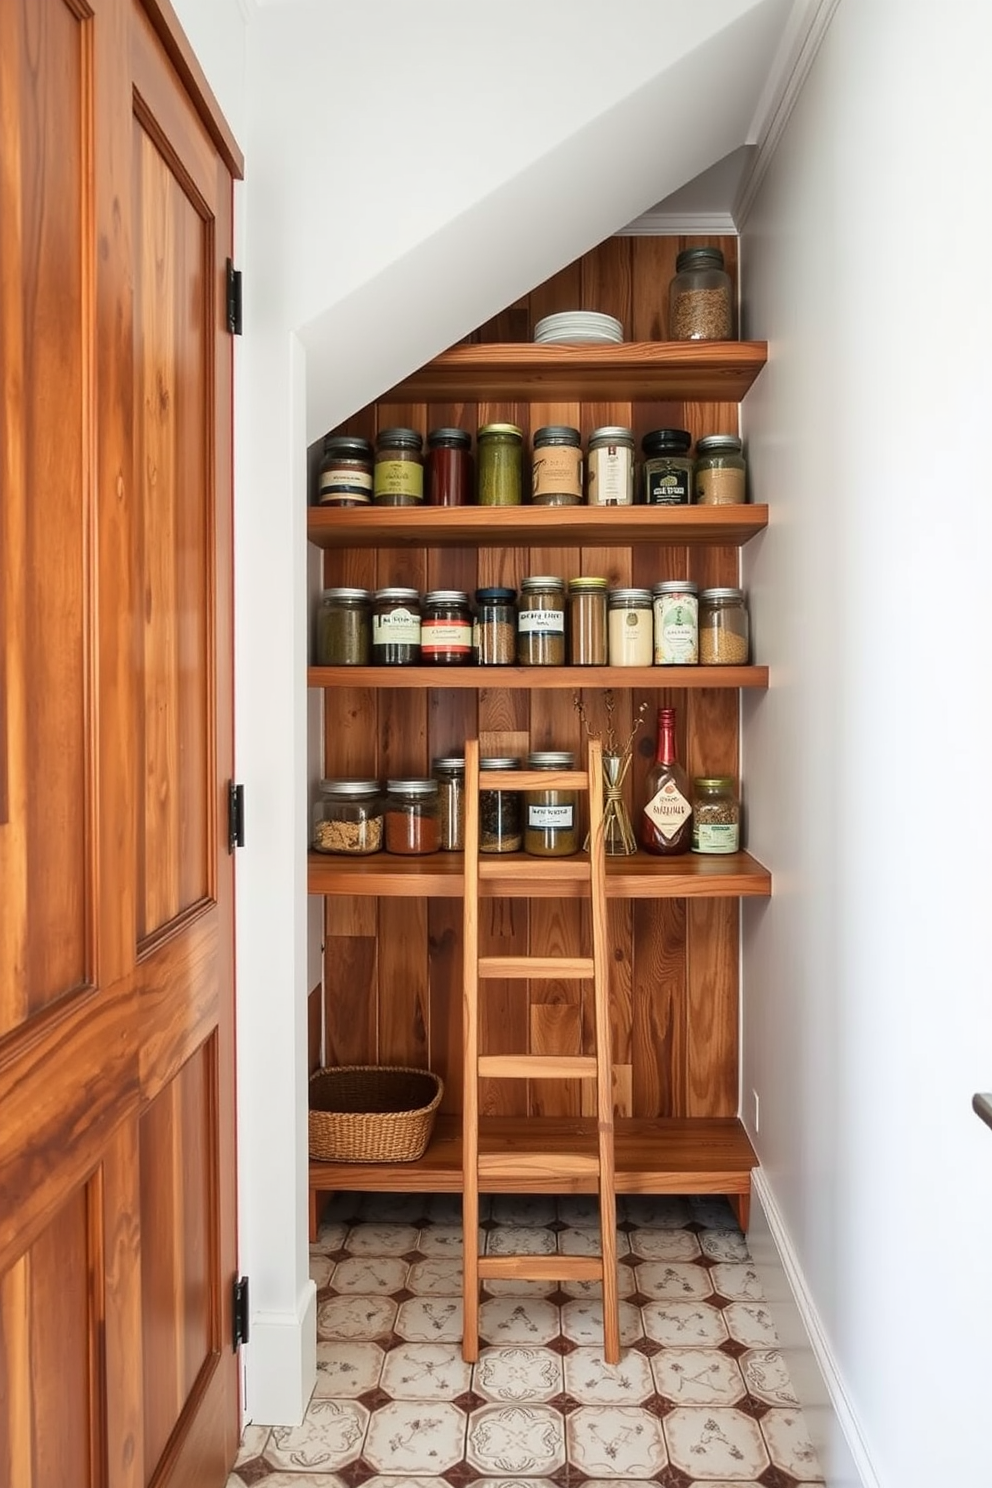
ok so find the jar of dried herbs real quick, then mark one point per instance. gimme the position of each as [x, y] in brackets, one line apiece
[500, 815]
[412, 818]
[541, 622]
[344, 628]
[552, 815]
[396, 627]
[716, 815]
[494, 634]
[450, 775]
[347, 817]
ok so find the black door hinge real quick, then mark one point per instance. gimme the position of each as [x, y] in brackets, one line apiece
[240, 1325]
[233, 299]
[235, 816]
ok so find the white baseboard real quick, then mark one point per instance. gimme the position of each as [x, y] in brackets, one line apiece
[281, 1363]
[816, 1378]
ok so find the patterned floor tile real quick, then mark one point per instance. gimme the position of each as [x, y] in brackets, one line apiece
[767, 1377]
[355, 1317]
[518, 1286]
[330, 1237]
[438, 1276]
[684, 1324]
[382, 1239]
[426, 1371]
[521, 1240]
[518, 1374]
[715, 1443]
[329, 1438]
[415, 1436]
[724, 1245]
[626, 1285]
[664, 1245]
[697, 1376]
[737, 1280]
[369, 1275]
[582, 1322]
[616, 1442]
[674, 1280]
[321, 1267]
[516, 1439]
[591, 1381]
[788, 1442]
[430, 1320]
[581, 1211]
[294, 1480]
[442, 1240]
[518, 1320]
[751, 1324]
[346, 1370]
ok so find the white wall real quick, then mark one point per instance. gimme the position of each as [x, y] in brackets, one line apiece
[868, 1015]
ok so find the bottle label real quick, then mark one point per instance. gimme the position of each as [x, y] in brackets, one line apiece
[445, 635]
[542, 622]
[399, 478]
[561, 818]
[675, 630]
[667, 487]
[668, 810]
[345, 485]
[611, 476]
[396, 628]
[557, 471]
[715, 837]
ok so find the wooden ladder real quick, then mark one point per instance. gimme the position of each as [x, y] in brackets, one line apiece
[532, 1169]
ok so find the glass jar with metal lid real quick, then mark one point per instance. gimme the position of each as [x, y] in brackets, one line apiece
[716, 815]
[494, 634]
[610, 467]
[344, 628]
[551, 827]
[450, 775]
[396, 627]
[556, 473]
[499, 458]
[724, 630]
[630, 622]
[446, 628]
[700, 299]
[676, 623]
[541, 622]
[347, 817]
[720, 477]
[412, 822]
[398, 479]
[587, 621]
[500, 818]
[449, 467]
[345, 474]
[666, 474]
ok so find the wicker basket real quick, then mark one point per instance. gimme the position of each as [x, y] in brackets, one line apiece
[365, 1113]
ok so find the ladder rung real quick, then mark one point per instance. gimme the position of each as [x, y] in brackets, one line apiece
[533, 780]
[579, 967]
[543, 1267]
[510, 1165]
[537, 1066]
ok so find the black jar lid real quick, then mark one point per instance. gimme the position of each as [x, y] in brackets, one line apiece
[666, 442]
[399, 439]
[495, 595]
[453, 438]
[699, 258]
[347, 444]
[556, 434]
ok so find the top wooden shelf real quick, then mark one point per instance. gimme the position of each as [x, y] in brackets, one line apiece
[713, 371]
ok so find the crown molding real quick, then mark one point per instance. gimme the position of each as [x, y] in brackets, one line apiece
[800, 43]
[661, 224]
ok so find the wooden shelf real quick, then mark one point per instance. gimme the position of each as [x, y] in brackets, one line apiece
[570, 678]
[710, 371]
[532, 526]
[691, 1155]
[518, 876]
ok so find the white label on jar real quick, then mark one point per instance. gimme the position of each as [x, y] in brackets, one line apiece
[717, 837]
[611, 476]
[346, 484]
[396, 627]
[446, 635]
[560, 817]
[668, 809]
[676, 640]
[542, 622]
[631, 637]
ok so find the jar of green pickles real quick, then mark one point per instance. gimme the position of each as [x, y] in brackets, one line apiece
[551, 822]
[499, 461]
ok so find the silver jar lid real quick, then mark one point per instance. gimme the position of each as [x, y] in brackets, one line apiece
[629, 596]
[551, 759]
[446, 597]
[357, 595]
[396, 593]
[412, 787]
[499, 762]
[722, 594]
[699, 258]
[715, 444]
[675, 586]
[349, 787]
[542, 581]
[612, 434]
[449, 762]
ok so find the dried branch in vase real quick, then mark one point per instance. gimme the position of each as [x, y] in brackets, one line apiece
[618, 834]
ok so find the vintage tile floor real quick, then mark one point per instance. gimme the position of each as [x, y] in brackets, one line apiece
[701, 1395]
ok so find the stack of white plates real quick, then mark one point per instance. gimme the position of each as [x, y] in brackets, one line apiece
[575, 327]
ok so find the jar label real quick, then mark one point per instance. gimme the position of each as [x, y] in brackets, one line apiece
[399, 478]
[715, 837]
[631, 637]
[667, 488]
[720, 487]
[675, 629]
[557, 471]
[611, 476]
[445, 635]
[346, 484]
[542, 622]
[562, 818]
[396, 627]
[668, 810]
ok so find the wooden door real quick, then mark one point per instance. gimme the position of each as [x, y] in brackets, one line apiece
[117, 1220]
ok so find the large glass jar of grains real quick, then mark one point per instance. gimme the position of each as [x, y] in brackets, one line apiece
[450, 775]
[556, 473]
[587, 645]
[666, 473]
[720, 477]
[396, 627]
[500, 819]
[446, 628]
[552, 815]
[494, 634]
[676, 623]
[345, 475]
[716, 815]
[344, 628]
[347, 817]
[631, 628]
[723, 628]
[610, 467]
[412, 825]
[449, 467]
[700, 301]
[499, 460]
[541, 622]
[399, 468]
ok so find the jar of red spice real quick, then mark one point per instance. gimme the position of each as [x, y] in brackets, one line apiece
[412, 822]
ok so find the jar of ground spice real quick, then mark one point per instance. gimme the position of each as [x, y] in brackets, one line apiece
[556, 472]
[344, 628]
[396, 627]
[399, 468]
[450, 775]
[494, 635]
[700, 301]
[552, 815]
[720, 476]
[347, 817]
[630, 621]
[449, 468]
[587, 644]
[716, 815]
[500, 815]
[610, 467]
[446, 628]
[345, 474]
[412, 818]
[666, 473]
[499, 458]
[541, 622]
[723, 628]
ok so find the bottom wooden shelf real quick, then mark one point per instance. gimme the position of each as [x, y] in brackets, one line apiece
[674, 1155]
